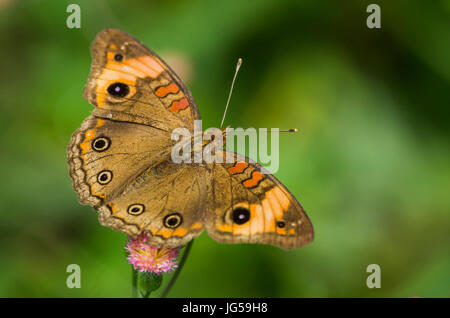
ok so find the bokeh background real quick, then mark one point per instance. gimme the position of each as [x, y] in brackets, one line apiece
[370, 164]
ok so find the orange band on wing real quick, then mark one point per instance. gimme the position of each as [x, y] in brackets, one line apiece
[163, 91]
[256, 219]
[269, 219]
[254, 180]
[152, 63]
[164, 232]
[275, 204]
[239, 167]
[225, 227]
[196, 225]
[88, 136]
[179, 105]
[181, 231]
[281, 231]
[279, 206]
[282, 198]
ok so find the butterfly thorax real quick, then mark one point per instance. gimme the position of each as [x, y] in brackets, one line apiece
[193, 149]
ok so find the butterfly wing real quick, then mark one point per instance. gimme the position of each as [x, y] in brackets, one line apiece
[121, 169]
[167, 202]
[104, 156]
[118, 158]
[246, 206]
[129, 82]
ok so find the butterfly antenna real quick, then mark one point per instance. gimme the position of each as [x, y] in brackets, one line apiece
[238, 65]
[281, 130]
[289, 130]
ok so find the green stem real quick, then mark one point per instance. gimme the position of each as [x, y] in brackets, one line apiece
[178, 270]
[146, 295]
[134, 282]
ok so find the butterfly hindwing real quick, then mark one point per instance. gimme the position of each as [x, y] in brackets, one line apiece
[167, 202]
[99, 149]
[121, 169]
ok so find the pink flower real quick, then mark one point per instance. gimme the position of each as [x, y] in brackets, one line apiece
[149, 258]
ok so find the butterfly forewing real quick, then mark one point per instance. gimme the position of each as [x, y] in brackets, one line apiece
[248, 206]
[128, 82]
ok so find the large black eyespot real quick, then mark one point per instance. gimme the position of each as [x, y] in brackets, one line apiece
[240, 215]
[101, 144]
[173, 220]
[281, 224]
[104, 177]
[118, 89]
[136, 209]
[118, 57]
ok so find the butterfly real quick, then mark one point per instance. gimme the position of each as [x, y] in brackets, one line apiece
[120, 161]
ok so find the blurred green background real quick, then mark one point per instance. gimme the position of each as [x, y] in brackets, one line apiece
[370, 164]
